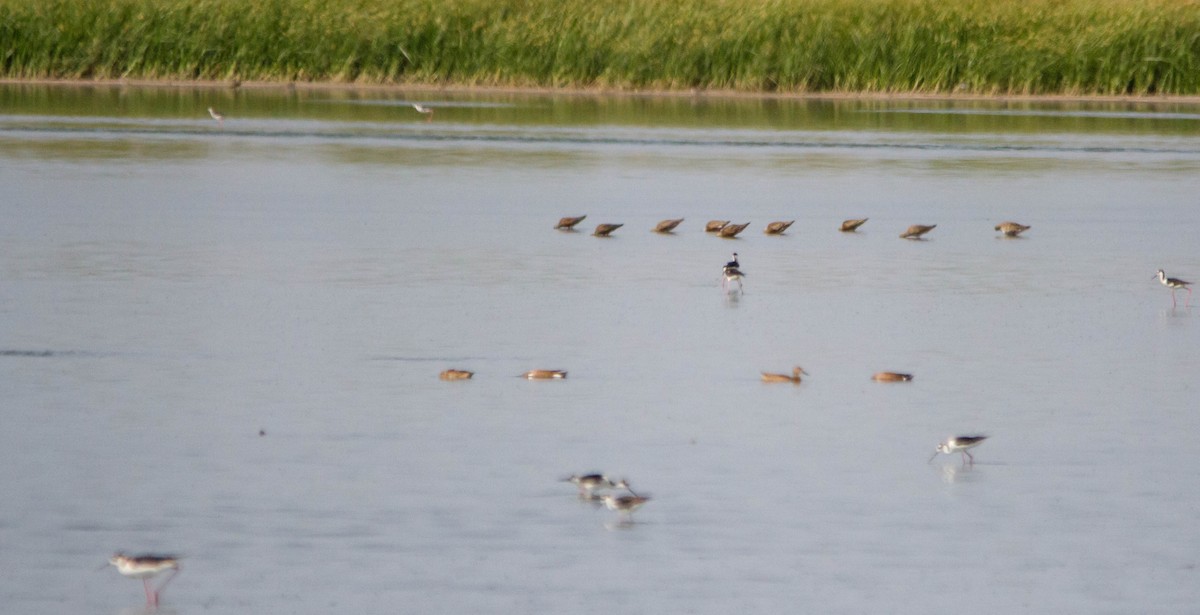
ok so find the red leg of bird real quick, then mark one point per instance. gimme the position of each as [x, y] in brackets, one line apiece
[151, 595]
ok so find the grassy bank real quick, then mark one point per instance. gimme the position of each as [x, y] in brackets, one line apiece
[1107, 47]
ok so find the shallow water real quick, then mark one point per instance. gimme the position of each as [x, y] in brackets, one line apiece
[171, 286]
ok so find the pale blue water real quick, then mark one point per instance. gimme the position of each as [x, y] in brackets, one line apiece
[169, 286]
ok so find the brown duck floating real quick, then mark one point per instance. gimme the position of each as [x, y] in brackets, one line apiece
[850, 226]
[777, 228]
[794, 378]
[666, 226]
[456, 374]
[729, 231]
[603, 230]
[568, 224]
[1011, 229]
[545, 374]
[715, 225]
[891, 377]
[916, 231]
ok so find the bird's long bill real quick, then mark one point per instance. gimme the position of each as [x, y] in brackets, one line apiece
[935, 454]
[103, 566]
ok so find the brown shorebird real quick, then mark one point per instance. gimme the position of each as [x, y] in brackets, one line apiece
[604, 230]
[916, 231]
[777, 228]
[666, 226]
[216, 115]
[959, 444]
[568, 224]
[794, 378]
[1175, 284]
[715, 225]
[456, 374]
[891, 377]
[729, 231]
[1011, 229]
[145, 567]
[852, 225]
[545, 374]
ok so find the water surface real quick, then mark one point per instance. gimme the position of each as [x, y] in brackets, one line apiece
[171, 285]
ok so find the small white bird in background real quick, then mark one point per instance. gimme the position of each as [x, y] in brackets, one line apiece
[426, 111]
[216, 115]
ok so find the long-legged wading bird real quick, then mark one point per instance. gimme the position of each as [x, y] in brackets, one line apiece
[891, 377]
[850, 226]
[1011, 229]
[1175, 284]
[216, 115]
[794, 378]
[423, 110]
[625, 504]
[589, 483]
[456, 374]
[715, 225]
[959, 444]
[732, 273]
[146, 567]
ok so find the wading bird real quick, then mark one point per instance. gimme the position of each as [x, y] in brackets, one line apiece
[625, 504]
[568, 224]
[794, 378]
[732, 273]
[850, 226]
[604, 230]
[544, 374]
[891, 377]
[729, 231]
[916, 231]
[666, 226]
[1175, 284]
[216, 115]
[777, 228]
[423, 110]
[715, 225]
[146, 567]
[959, 444]
[1011, 229]
[456, 374]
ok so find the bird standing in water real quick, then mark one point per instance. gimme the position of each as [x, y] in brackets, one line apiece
[1174, 284]
[732, 273]
[146, 567]
[426, 111]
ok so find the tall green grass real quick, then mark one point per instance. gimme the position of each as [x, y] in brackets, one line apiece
[981, 46]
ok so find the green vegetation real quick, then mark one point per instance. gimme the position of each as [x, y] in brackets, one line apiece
[979, 46]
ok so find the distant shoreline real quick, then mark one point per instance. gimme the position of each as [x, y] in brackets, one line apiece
[317, 86]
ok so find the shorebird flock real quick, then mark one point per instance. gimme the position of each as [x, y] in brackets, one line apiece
[618, 496]
[599, 488]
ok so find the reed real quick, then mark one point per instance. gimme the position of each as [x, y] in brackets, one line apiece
[978, 46]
